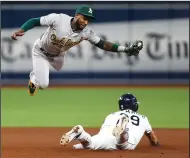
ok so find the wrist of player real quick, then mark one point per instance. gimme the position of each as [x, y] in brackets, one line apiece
[21, 30]
[127, 50]
[155, 143]
[118, 48]
[124, 49]
[121, 49]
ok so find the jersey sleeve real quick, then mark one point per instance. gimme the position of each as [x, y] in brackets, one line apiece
[92, 37]
[148, 127]
[50, 19]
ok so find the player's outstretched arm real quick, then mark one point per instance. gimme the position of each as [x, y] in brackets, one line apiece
[152, 138]
[25, 27]
[131, 50]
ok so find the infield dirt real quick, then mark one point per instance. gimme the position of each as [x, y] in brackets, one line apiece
[44, 143]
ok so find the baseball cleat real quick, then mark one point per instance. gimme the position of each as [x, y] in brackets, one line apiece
[32, 89]
[73, 134]
[120, 126]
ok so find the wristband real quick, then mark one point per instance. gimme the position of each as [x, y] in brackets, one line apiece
[121, 49]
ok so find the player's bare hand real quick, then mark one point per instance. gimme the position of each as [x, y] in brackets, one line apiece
[135, 48]
[18, 33]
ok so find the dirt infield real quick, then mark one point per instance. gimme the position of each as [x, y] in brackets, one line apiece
[44, 143]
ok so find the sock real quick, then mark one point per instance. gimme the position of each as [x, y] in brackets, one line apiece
[85, 139]
[32, 79]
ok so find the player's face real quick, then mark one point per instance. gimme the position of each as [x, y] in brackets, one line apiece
[82, 21]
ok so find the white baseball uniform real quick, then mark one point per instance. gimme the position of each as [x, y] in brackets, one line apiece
[51, 47]
[137, 126]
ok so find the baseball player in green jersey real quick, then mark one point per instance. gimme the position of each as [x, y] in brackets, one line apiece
[63, 33]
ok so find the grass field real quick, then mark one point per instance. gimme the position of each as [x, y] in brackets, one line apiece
[165, 107]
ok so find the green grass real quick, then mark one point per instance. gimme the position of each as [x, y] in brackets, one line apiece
[166, 108]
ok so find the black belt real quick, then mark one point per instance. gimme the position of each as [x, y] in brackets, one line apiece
[47, 54]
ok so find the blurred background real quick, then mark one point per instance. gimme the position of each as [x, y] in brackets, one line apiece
[163, 27]
[164, 60]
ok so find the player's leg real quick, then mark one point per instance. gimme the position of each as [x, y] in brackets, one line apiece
[39, 76]
[76, 133]
[103, 141]
[98, 142]
[57, 62]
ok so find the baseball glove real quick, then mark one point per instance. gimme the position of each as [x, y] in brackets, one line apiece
[135, 48]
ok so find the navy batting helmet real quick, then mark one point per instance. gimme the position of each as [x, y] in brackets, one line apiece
[128, 101]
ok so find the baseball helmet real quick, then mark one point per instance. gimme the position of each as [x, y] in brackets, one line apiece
[128, 101]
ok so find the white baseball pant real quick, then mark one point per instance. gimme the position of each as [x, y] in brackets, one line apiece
[105, 140]
[39, 76]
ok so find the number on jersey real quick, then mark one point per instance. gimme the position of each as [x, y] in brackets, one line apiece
[134, 119]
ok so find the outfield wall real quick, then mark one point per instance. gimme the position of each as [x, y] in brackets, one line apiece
[164, 29]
